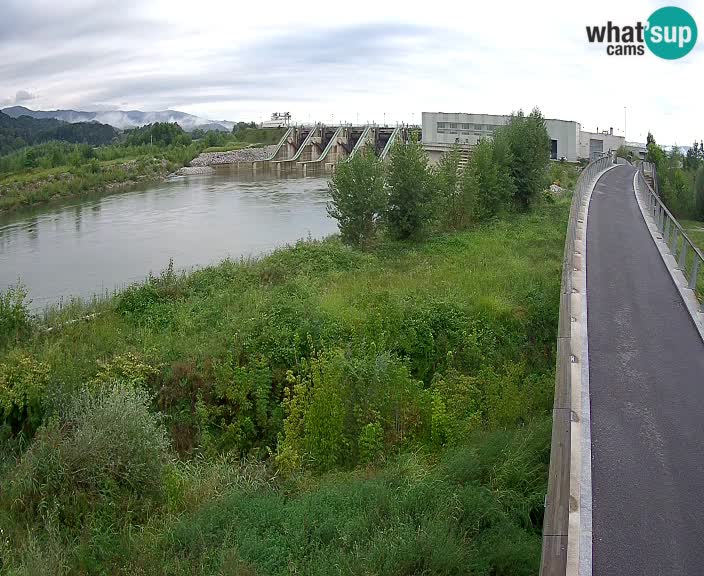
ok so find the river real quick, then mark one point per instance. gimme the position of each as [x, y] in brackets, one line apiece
[92, 246]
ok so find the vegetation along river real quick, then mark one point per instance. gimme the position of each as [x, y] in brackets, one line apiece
[92, 246]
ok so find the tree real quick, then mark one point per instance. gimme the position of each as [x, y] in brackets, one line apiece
[490, 167]
[623, 152]
[693, 157]
[358, 198]
[655, 155]
[449, 190]
[410, 209]
[529, 144]
[699, 192]
[650, 139]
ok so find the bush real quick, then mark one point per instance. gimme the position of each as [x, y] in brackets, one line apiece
[329, 406]
[456, 409]
[410, 208]
[358, 198]
[106, 446]
[15, 319]
[240, 407]
[529, 144]
[371, 443]
[23, 382]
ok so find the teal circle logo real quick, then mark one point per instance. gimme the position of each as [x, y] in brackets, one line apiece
[670, 33]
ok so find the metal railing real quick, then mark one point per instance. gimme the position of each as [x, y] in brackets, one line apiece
[557, 499]
[689, 258]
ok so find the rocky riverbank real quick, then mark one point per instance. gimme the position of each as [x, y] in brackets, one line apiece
[195, 170]
[233, 156]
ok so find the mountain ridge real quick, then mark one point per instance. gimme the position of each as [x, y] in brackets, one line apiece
[122, 119]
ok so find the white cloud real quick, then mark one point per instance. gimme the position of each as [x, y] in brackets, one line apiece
[244, 60]
[23, 96]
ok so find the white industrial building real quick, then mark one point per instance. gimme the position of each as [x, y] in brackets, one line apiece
[442, 130]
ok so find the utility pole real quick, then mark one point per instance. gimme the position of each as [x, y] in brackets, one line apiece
[624, 123]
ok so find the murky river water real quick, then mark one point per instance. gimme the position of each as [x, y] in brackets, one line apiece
[90, 246]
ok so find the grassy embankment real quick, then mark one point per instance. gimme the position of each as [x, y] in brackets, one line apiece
[57, 170]
[416, 439]
[695, 231]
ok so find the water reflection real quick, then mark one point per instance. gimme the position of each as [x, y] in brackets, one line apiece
[88, 246]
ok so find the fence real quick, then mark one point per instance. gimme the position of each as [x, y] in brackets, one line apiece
[688, 257]
[557, 500]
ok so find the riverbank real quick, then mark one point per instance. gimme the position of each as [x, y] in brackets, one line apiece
[392, 408]
[56, 170]
[44, 186]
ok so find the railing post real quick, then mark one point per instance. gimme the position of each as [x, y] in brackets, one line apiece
[682, 262]
[695, 271]
[673, 241]
[666, 228]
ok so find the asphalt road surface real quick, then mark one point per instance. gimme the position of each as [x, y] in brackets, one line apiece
[646, 379]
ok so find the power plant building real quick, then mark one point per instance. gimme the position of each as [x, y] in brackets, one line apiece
[443, 130]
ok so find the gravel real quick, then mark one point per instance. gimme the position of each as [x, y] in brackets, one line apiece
[193, 170]
[233, 156]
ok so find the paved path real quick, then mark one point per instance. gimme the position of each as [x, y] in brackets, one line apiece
[646, 379]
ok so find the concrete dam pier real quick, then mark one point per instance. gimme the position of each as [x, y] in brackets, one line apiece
[318, 148]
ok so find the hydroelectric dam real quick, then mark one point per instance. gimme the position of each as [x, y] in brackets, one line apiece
[318, 148]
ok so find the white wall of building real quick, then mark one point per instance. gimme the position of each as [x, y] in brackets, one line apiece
[608, 142]
[566, 132]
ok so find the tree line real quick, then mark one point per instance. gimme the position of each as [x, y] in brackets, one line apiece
[17, 133]
[680, 178]
[409, 198]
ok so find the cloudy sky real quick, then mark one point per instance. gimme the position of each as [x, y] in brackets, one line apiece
[364, 60]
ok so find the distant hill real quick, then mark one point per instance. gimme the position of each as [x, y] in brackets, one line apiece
[123, 119]
[15, 133]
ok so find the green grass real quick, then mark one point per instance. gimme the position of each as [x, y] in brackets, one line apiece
[695, 231]
[563, 174]
[447, 344]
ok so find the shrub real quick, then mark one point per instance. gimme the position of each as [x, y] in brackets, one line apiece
[239, 407]
[23, 382]
[329, 405]
[106, 446]
[15, 319]
[358, 198]
[371, 442]
[457, 408]
[410, 209]
[127, 368]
